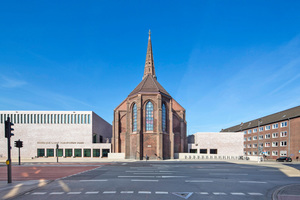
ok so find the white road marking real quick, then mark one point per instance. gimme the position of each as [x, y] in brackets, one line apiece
[252, 182]
[144, 180]
[160, 192]
[138, 171]
[96, 192]
[228, 174]
[237, 193]
[253, 193]
[74, 193]
[136, 176]
[198, 181]
[202, 193]
[126, 192]
[157, 173]
[93, 180]
[109, 192]
[168, 171]
[144, 192]
[56, 192]
[219, 193]
[39, 193]
[124, 163]
[170, 176]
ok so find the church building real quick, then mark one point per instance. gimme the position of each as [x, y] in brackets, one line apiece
[149, 122]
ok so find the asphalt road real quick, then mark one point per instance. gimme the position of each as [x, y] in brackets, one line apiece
[167, 180]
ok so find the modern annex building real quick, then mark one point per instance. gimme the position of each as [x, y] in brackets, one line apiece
[78, 134]
[274, 135]
[149, 122]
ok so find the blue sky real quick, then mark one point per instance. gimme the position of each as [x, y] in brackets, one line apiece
[225, 62]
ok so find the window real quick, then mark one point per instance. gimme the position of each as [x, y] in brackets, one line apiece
[213, 151]
[87, 152]
[50, 152]
[255, 145]
[249, 131]
[274, 135]
[249, 138]
[94, 138]
[283, 153]
[149, 116]
[249, 145]
[75, 119]
[96, 152]
[267, 144]
[203, 151]
[254, 137]
[245, 132]
[267, 153]
[261, 145]
[283, 124]
[274, 144]
[268, 127]
[105, 152]
[164, 115]
[193, 150]
[89, 119]
[255, 131]
[245, 145]
[40, 152]
[283, 134]
[261, 129]
[249, 153]
[261, 137]
[245, 139]
[68, 152]
[283, 143]
[77, 152]
[59, 153]
[254, 153]
[268, 136]
[134, 118]
[274, 153]
[274, 126]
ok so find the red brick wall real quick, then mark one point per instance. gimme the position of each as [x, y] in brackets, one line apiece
[149, 145]
[295, 137]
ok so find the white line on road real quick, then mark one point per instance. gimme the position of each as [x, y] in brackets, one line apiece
[74, 193]
[254, 193]
[39, 193]
[56, 192]
[252, 182]
[109, 192]
[206, 193]
[93, 180]
[160, 192]
[170, 176]
[136, 180]
[156, 173]
[219, 193]
[126, 192]
[144, 192]
[136, 176]
[168, 171]
[198, 181]
[96, 192]
[138, 171]
[124, 163]
[237, 193]
[228, 174]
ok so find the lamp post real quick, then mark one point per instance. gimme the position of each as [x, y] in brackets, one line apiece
[259, 122]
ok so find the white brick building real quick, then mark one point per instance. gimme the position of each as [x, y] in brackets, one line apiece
[78, 134]
[216, 144]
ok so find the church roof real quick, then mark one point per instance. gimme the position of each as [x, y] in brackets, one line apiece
[149, 84]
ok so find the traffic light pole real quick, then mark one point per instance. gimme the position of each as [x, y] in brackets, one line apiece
[19, 154]
[8, 162]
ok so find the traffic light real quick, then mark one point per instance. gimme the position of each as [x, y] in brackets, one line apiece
[16, 143]
[19, 144]
[8, 128]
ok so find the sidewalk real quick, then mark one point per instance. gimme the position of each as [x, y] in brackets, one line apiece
[288, 192]
[10, 190]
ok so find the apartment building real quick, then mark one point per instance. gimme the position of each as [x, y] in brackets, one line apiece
[274, 135]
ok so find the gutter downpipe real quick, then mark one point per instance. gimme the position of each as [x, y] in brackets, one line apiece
[289, 146]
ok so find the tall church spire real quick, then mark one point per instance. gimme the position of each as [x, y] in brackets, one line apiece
[149, 65]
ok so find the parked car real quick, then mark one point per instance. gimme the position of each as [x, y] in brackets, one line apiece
[284, 159]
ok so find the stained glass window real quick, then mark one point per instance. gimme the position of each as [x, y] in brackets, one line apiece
[164, 118]
[134, 118]
[149, 116]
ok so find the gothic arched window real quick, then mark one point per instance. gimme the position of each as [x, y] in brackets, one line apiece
[149, 116]
[164, 121]
[134, 118]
